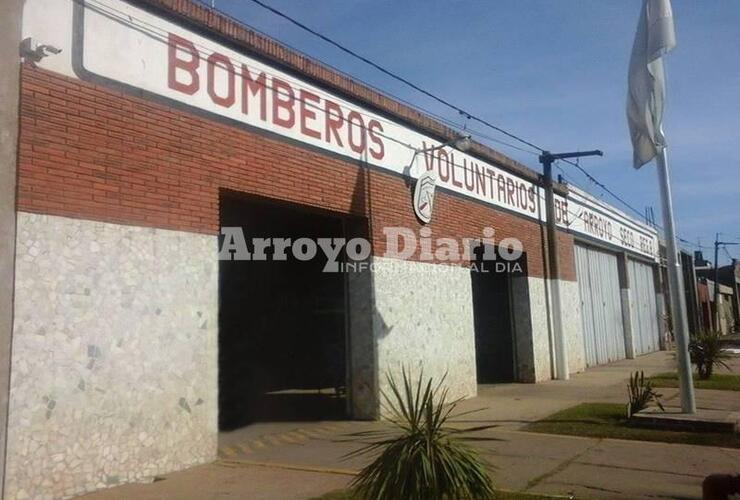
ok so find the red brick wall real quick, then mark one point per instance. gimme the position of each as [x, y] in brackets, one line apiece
[89, 152]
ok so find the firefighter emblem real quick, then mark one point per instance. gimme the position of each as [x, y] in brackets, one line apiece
[424, 196]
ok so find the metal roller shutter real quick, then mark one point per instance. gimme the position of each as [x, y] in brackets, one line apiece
[644, 309]
[601, 308]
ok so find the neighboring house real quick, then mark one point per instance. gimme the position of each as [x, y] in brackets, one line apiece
[720, 316]
[729, 280]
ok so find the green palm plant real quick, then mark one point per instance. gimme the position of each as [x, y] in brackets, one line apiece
[705, 350]
[421, 457]
[641, 393]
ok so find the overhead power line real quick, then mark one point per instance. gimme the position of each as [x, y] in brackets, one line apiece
[463, 128]
[159, 35]
[729, 255]
[393, 75]
[441, 100]
[603, 186]
[445, 102]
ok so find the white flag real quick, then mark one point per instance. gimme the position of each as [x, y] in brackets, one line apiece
[654, 38]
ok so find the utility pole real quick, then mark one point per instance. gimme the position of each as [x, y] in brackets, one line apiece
[716, 282]
[561, 352]
[717, 244]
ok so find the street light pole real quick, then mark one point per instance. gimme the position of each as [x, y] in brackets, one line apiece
[561, 352]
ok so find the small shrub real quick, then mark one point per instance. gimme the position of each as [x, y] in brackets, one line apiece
[705, 350]
[421, 458]
[641, 393]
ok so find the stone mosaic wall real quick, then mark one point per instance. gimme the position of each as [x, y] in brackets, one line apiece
[425, 313]
[114, 375]
[524, 320]
[114, 370]
[540, 309]
[362, 346]
[539, 303]
[572, 325]
[424, 318]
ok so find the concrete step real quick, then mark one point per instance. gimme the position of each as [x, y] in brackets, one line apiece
[704, 420]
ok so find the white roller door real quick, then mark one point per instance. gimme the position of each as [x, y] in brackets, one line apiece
[643, 308]
[601, 307]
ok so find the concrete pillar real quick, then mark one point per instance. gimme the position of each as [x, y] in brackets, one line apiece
[524, 331]
[10, 37]
[363, 401]
[661, 309]
[626, 295]
[362, 355]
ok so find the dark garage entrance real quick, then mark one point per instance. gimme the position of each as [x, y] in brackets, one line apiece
[494, 339]
[282, 324]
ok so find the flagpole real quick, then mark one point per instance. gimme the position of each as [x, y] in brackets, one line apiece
[676, 288]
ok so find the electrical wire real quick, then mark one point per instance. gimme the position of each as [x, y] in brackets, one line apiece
[152, 30]
[160, 36]
[391, 74]
[126, 19]
[448, 104]
[395, 97]
[461, 111]
[438, 99]
[623, 202]
[727, 252]
[155, 33]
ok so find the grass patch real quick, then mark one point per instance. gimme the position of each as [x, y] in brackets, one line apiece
[608, 420]
[717, 382]
[500, 495]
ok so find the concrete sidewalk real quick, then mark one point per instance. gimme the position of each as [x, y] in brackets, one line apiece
[300, 460]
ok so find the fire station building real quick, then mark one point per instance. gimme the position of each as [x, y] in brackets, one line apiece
[158, 129]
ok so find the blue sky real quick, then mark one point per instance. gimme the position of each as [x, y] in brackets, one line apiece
[553, 72]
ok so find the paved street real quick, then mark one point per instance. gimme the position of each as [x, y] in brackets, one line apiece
[298, 460]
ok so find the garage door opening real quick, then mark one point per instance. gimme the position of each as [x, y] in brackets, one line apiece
[601, 305]
[282, 323]
[495, 356]
[643, 307]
